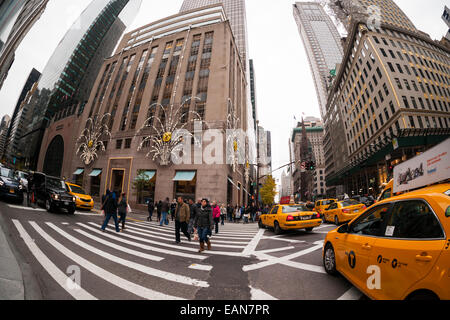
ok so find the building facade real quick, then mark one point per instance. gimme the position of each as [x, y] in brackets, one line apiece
[19, 119]
[30, 12]
[323, 46]
[67, 79]
[392, 95]
[4, 126]
[163, 76]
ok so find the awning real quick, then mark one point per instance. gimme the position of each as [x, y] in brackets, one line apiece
[95, 172]
[184, 176]
[148, 175]
[78, 172]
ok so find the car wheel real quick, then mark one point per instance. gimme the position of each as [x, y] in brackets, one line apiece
[309, 229]
[48, 205]
[260, 224]
[336, 220]
[277, 228]
[329, 260]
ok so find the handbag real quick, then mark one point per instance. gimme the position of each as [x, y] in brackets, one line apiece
[129, 208]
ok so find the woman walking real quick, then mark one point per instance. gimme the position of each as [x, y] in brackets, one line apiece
[203, 223]
[123, 208]
[216, 215]
[237, 214]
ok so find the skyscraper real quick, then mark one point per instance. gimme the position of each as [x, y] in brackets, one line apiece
[30, 12]
[68, 77]
[322, 43]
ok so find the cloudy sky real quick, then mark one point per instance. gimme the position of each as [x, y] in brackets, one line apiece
[283, 78]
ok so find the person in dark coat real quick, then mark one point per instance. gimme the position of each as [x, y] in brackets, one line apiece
[193, 213]
[158, 210]
[182, 217]
[150, 208]
[110, 208]
[203, 222]
[165, 207]
[173, 207]
[122, 209]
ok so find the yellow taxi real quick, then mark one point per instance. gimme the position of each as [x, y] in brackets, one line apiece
[397, 249]
[288, 217]
[343, 211]
[82, 199]
[322, 205]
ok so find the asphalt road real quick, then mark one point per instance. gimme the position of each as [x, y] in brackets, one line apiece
[71, 258]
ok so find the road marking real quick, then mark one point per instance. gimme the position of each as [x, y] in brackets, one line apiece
[143, 246]
[258, 294]
[164, 237]
[136, 266]
[352, 294]
[275, 250]
[26, 208]
[282, 239]
[122, 283]
[304, 266]
[230, 232]
[251, 247]
[325, 226]
[164, 233]
[274, 260]
[57, 275]
[200, 267]
[120, 248]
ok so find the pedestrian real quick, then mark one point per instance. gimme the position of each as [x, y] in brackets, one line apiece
[122, 209]
[253, 210]
[237, 214]
[223, 214]
[246, 214]
[110, 208]
[182, 217]
[150, 208]
[159, 210]
[30, 190]
[165, 207]
[229, 213]
[216, 215]
[193, 212]
[173, 207]
[202, 224]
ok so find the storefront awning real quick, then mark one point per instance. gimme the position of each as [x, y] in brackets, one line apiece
[95, 173]
[78, 172]
[147, 175]
[184, 176]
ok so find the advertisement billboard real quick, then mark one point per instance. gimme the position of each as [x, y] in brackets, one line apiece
[430, 167]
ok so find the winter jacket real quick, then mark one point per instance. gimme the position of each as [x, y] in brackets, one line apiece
[203, 219]
[216, 212]
[165, 207]
[182, 212]
[122, 207]
[110, 206]
[193, 211]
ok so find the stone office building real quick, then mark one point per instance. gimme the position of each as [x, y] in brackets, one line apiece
[186, 62]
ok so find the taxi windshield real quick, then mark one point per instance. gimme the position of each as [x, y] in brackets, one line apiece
[327, 202]
[77, 189]
[296, 208]
[348, 203]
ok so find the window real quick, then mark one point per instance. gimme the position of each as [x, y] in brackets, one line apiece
[373, 223]
[127, 143]
[391, 67]
[119, 144]
[413, 220]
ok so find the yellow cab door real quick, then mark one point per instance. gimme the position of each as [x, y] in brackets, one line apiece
[408, 249]
[355, 248]
[272, 216]
[331, 211]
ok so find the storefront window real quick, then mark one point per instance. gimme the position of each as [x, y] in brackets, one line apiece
[144, 184]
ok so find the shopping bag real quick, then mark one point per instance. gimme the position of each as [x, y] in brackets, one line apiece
[129, 209]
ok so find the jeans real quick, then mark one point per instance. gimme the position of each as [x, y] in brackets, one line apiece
[191, 226]
[107, 218]
[222, 218]
[183, 226]
[164, 219]
[203, 234]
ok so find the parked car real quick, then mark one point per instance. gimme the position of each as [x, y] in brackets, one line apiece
[343, 211]
[52, 193]
[10, 187]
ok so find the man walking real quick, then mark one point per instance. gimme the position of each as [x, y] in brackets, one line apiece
[150, 208]
[110, 208]
[182, 216]
[165, 210]
[159, 210]
[203, 222]
[193, 213]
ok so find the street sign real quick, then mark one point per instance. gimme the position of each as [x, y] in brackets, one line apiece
[395, 143]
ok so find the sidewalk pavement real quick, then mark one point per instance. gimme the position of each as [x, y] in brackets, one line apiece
[11, 280]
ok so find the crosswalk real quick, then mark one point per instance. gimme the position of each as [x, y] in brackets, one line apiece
[141, 263]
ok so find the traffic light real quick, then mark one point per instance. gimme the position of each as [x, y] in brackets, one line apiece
[310, 166]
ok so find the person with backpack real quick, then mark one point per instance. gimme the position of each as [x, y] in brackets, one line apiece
[110, 207]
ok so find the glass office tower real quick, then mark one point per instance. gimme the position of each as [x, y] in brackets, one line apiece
[69, 75]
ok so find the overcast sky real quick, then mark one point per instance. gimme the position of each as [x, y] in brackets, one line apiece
[284, 83]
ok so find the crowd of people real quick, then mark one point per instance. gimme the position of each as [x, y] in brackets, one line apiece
[196, 220]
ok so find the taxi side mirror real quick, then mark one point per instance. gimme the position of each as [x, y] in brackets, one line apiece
[343, 229]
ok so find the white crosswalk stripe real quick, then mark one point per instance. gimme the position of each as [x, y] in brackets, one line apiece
[143, 248]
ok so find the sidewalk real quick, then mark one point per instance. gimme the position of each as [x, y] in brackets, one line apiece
[11, 280]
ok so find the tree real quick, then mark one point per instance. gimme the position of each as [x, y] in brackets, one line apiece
[268, 191]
